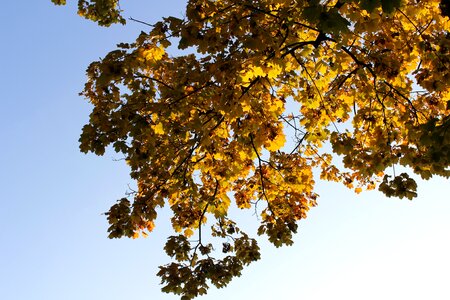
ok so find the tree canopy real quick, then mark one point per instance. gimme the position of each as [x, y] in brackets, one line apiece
[253, 111]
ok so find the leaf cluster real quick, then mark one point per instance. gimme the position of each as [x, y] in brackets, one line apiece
[194, 270]
[200, 131]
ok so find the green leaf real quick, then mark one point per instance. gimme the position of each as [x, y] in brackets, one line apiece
[389, 6]
[370, 5]
[333, 22]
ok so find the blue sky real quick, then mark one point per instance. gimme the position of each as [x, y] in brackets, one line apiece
[53, 237]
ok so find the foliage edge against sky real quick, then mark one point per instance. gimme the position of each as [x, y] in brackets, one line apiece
[372, 78]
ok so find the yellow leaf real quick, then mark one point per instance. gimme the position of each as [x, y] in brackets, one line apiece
[188, 232]
[158, 128]
[258, 71]
[274, 71]
[150, 226]
[277, 142]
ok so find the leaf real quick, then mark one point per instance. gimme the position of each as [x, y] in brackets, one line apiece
[188, 232]
[158, 128]
[389, 6]
[370, 5]
[333, 22]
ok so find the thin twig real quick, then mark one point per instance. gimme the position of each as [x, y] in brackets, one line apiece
[142, 22]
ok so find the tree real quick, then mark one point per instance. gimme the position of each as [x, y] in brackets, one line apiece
[372, 82]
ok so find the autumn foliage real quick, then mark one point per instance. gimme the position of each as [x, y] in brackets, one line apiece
[266, 92]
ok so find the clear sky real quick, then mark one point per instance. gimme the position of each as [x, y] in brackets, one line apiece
[53, 234]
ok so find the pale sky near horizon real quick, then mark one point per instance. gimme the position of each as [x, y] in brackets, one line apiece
[54, 244]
